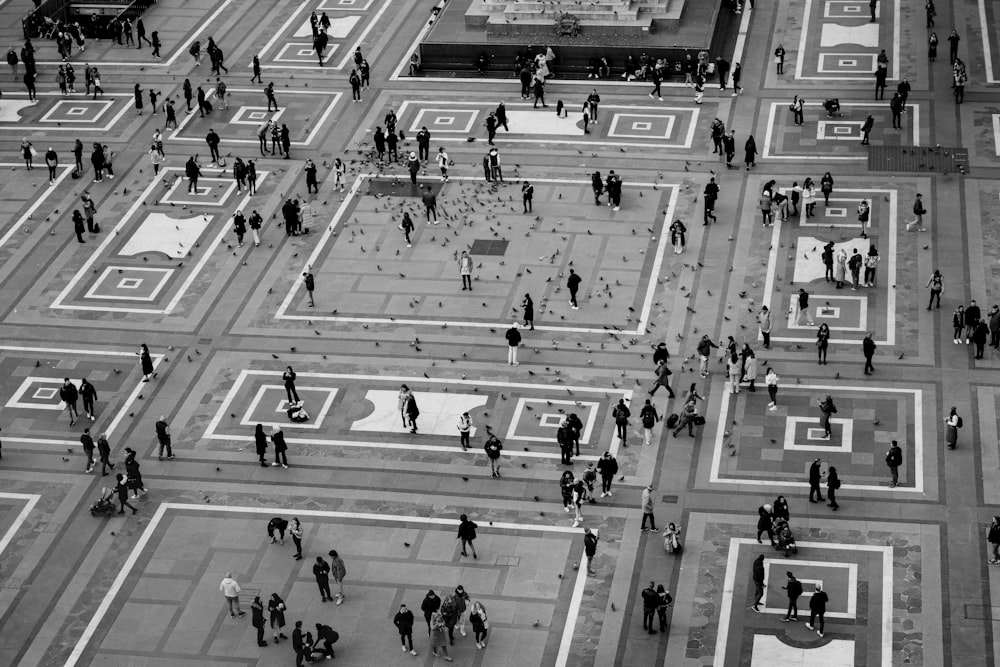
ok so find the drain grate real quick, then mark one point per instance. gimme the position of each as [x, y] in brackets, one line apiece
[940, 159]
[488, 247]
[508, 561]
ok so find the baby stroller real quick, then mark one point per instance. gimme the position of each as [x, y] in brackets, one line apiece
[832, 107]
[786, 541]
[104, 505]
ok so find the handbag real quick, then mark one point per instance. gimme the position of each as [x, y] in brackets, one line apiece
[699, 420]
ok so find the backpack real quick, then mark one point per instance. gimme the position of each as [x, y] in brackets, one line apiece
[620, 417]
[648, 420]
[959, 425]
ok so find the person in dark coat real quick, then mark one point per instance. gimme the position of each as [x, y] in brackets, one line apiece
[817, 608]
[260, 439]
[277, 524]
[529, 312]
[321, 570]
[411, 411]
[121, 488]
[257, 619]
[780, 508]
[403, 620]
[832, 484]
[78, 226]
[750, 152]
[429, 606]
[607, 468]
[104, 452]
[814, 479]
[765, 521]
[894, 459]
[329, 637]
[298, 645]
[133, 473]
[88, 448]
[868, 348]
[467, 534]
[276, 612]
[89, 396]
[280, 446]
[794, 588]
[289, 378]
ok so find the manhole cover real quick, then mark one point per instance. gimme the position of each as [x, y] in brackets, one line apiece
[488, 247]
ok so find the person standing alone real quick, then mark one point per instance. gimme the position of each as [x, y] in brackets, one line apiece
[647, 510]
[894, 459]
[513, 337]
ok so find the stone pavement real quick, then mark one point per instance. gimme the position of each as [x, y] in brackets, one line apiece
[905, 566]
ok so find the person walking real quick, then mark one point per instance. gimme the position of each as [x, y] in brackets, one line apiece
[868, 348]
[464, 430]
[163, 437]
[231, 591]
[750, 153]
[68, 395]
[794, 590]
[647, 510]
[321, 571]
[89, 396]
[480, 624]
[994, 318]
[121, 488]
[650, 601]
[771, 379]
[621, 415]
[310, 284]
[429, 606]
[403, 620]
[104, 452]
[338, 571]
[832, 484]
[462, 599]
[590, 548]
[88, 449]
[952, 423]
[993, 537]
[817, 609]
[802, 316]
[607, 468]
[758, 582]
[573, 285]
[132, 473]
[276, 612]
[894, 459]
[467, 535]
[649, 417]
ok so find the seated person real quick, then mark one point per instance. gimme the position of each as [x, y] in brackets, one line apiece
[832, 106]
[604, 69]
[297, 412]
[414, 64]
[592, 68]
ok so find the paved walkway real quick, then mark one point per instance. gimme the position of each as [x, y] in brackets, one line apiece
[223, 321]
